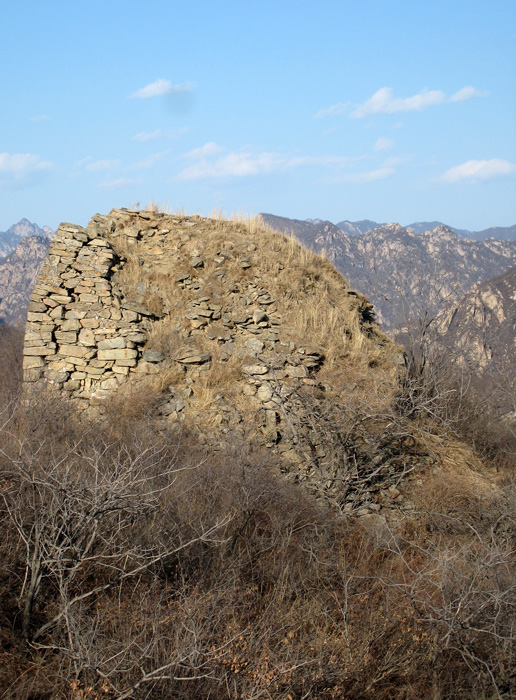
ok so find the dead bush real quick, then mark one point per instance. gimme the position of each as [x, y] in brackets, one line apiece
[11, 345]
[137, 564]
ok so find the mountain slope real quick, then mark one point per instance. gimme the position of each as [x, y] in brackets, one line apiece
[480, 328]
[405, 274]
[221, 367]
[501, 233]
[18, 273]
[356, 228]
[23, 229]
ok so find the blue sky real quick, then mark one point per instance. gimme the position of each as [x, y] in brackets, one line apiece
[385, 109]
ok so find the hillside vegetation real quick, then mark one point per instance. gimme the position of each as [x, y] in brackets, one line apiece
[289, 514]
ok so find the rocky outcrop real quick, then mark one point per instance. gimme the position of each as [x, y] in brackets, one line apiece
[480, 329]
[231, 328]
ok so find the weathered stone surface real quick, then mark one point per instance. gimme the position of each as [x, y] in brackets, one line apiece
[190, 355]
[60, 298]
[74, 314]
[66, 337]
[86, 337]
[42, 350]
[264, 393]
[255, 345]
[136, 337]
[259, 316]
[153, 356]
[90, 323]
[39, 317]
[255, 369]
[30, 362]
[57, 313]
[137, 308]
[117, 354]
[195, 358]
[112, 343]
[36, 306]
[75, 351]
[299, 372]
[94, 371]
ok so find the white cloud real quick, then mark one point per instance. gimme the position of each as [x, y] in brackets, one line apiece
[383, 144]
[83, 162]
[40, 118]
[144, 136]
[475, 170]
[467, 93]
[209, 149]
[101, 165]
[383, 102]
[333, 111]
[21, 168]
[160, 87]
[159, 134]
[371, 176]
[243, 164]
[233, 165]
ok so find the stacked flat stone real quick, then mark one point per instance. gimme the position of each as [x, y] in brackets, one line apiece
[79, 338]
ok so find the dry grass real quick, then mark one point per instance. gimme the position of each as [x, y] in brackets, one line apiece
[311, 296]
[313, 308]
[287, 601]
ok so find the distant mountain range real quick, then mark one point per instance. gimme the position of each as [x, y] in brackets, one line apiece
[23, 248]
[23, 229]
[357, 228]
[405, 274]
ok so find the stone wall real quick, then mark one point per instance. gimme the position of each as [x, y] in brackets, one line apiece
[80, 337]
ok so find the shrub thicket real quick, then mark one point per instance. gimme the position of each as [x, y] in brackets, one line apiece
[135, 564]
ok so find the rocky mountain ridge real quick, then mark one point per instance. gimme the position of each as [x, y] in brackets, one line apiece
[405, 274]
[311, 232]
[18, 272]
[10, 239]
[358, 228]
